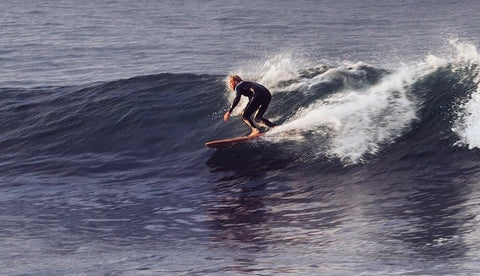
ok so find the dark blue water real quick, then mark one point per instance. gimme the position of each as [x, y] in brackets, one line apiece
[106, 106]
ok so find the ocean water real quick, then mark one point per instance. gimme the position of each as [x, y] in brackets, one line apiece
[105, 107]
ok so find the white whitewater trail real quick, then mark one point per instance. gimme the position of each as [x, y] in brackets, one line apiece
[467, 124]
[353, 122]
[356, 122]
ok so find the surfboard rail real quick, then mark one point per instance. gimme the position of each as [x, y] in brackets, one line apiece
[226, 143]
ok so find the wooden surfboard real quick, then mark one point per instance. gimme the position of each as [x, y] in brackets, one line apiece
[226, 143]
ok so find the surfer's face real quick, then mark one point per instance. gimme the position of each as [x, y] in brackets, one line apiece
[233, 83]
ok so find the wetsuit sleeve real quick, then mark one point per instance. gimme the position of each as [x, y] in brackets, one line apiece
[235, 102]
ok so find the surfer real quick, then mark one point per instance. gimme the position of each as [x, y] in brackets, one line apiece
[258, 100]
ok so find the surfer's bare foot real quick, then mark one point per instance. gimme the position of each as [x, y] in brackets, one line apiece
[255, 131]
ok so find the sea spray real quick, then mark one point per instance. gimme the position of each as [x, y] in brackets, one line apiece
[363, 117]
[467, 125]
[351, 111]
[270, 73]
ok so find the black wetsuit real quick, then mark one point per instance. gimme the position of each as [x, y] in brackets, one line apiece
[258, 99]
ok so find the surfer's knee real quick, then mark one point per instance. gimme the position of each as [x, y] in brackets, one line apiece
[246, 116]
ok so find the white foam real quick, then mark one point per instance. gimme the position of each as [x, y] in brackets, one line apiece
[467, 125]
[273, 70]
[359, 122]
[270, 72]
[464, 51]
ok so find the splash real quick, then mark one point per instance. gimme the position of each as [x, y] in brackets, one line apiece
[271, 72]
[362, 118]
[467, 125]
[358, 120]
[351, 111]
[274, 70]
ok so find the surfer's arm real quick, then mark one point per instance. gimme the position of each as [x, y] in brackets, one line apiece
[235, 102]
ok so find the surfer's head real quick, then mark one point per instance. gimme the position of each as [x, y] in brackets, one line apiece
[233, 80]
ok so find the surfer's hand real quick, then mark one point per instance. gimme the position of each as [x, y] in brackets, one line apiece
[226, 116]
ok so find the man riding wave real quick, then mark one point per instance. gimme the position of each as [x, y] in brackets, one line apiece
[258, 100]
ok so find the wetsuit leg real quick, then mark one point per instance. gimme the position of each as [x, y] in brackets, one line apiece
[252, 106]
[259, 116]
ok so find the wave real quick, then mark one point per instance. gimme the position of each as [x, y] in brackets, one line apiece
[351, 112]
[345, 113]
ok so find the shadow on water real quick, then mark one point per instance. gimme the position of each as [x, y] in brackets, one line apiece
[258, 193]
[249, 161]
[238, 214]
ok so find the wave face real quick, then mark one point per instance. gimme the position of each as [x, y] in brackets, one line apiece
[345, 115]
[104, 126]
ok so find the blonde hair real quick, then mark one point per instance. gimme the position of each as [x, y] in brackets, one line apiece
[234, 79]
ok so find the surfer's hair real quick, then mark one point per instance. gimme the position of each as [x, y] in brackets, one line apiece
[233, 80]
